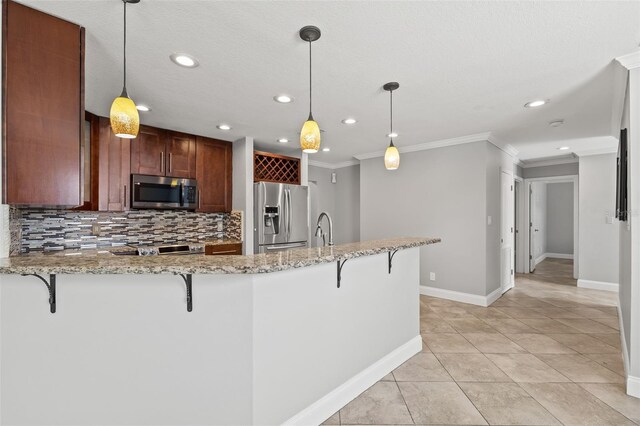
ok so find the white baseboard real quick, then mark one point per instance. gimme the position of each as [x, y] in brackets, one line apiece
[598, 285]
[458, 296]
[623, 340]
[633, 386]
[495, 295]
[539, 259]
[633, 383]
[326, 406]
[504, 290]
[559, 256]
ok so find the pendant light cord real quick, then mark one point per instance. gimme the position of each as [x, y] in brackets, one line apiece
[310, 86]
[124, 51]
[391, 119]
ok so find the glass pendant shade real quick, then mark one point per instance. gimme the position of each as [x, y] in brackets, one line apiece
[310, 137]
[391, 157]
[125, 121]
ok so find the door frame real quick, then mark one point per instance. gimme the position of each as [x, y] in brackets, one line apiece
[552, 179]
[520, 224]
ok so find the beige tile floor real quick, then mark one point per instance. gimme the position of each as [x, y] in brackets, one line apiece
[543, 354]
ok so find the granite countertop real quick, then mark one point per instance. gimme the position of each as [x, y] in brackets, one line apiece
[251, 264]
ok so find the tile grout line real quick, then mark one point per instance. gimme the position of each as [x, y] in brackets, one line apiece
[405, 401]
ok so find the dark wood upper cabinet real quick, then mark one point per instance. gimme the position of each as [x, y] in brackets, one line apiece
[214, 174]
[148, 152]
[181, 155]
[114, 159]
[43, 108]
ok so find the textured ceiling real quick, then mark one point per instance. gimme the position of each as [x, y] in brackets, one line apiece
[463, 67]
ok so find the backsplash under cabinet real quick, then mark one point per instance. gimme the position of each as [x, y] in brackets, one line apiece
[34, 230]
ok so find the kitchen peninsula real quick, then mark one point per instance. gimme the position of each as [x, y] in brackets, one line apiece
[287, 337]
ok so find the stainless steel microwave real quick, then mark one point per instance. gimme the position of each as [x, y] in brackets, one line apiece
[163, 192]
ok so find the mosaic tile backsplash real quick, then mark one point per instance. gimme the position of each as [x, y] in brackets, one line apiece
[48, 230]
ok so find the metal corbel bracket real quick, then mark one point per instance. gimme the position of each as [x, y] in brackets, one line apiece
[188, 281]
[391, 258]
[51, 286]
[340, 265]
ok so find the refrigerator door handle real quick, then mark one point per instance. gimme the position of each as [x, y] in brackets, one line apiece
[289, 215]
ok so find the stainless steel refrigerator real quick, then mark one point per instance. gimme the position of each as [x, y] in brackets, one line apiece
[281, 217]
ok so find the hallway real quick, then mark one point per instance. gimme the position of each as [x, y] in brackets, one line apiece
[553, 271]
[542, 354]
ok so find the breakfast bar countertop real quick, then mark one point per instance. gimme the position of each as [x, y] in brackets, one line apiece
[250, 264]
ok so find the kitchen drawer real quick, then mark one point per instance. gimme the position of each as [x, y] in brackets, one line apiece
[223, 249]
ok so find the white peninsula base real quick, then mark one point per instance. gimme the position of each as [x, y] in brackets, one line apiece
[283, 347]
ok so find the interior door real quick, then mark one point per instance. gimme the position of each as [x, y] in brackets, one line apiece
[507, 226]
[537, 222]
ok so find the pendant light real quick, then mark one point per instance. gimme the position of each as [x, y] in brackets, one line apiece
[125, 120]
[391, 155]
[310, 133]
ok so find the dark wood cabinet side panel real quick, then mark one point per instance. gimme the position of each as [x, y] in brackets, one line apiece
[42, 108]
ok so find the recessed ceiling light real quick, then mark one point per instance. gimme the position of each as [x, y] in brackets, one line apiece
[535, 103]
[283, 99]
[349, 121]
[556, 123]
[283, 140]
[184, 60]
[326, 149]
[223, 127]
[143, 108]
[564, 148]
[392, 135]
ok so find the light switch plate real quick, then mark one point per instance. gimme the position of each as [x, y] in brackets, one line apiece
[489, 220]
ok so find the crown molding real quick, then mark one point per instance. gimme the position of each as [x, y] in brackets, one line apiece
[505, 147]
[597, 151]
[478, 137]
[334, 165]
[630, 61]
[548, 162]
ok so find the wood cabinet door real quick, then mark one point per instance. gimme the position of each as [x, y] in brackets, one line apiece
[113, 169]
[43, 108]
[148, 152]
[214, 173]
[181, 155]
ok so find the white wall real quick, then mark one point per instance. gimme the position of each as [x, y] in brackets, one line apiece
[559, 218]
[599, 240]
[242, 198]
[441, 193]
[341, 200]
[347, 204]
[629, 233]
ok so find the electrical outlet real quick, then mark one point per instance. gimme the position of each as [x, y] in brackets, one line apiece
[219, 226]
[432, 276]
[95, 229]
